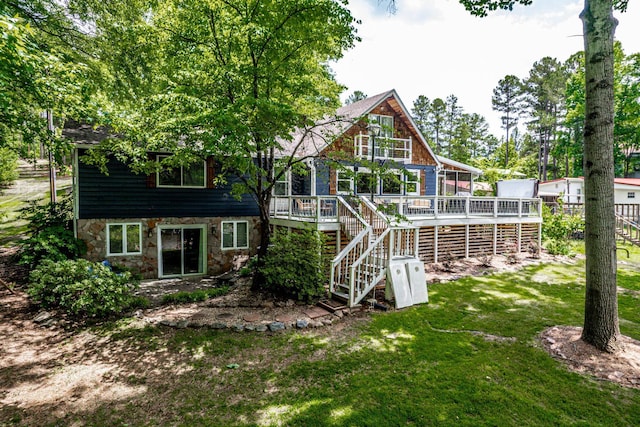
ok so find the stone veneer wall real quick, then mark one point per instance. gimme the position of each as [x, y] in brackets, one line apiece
[94, 234]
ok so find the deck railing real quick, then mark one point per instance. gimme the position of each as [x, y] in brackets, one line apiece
[456, 206]
[305, 208]
[398, 149]
[325, 208]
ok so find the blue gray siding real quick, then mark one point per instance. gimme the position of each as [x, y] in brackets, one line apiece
[123, 194]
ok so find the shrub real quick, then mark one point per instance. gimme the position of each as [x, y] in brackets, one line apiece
[51, 234]
[82, 288]
[558, 228]
[8, 166]
[294, 265]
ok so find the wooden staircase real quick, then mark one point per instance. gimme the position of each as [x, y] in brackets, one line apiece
[627, 230]
[363, 263]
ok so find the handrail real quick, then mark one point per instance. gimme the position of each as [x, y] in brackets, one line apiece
[371, 266]
[378, 221]
[348, 217]
[627, 229]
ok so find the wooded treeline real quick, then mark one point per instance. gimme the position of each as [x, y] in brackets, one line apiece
[542, 116]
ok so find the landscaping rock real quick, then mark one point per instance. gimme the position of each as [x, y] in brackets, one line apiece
[249, 328]
[42, 317]
[168, 323]
[261, 328]
[276, 326]
[327, 321]
[182, 324]
[301, 323]
[218, 325]
[238, 327]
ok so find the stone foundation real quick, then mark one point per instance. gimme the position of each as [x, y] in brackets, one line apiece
[94, 234]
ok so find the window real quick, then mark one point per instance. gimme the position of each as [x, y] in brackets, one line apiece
[631, 195]
[235, 235]
[391, 184]
[385, 122]
[192, 175]
[124, 239]
[412, 185]
[281, 186]
[344, 182]
[366, 183]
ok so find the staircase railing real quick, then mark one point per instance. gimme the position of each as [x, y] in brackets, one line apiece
[368, 270]
[628, 229]
[359, 231]
[350, 221]
[378, 221]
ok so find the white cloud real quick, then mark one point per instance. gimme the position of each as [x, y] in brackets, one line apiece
[437, 48]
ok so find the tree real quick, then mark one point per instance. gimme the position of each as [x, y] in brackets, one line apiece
[506, 99]
[356, 96]
[601, 306]
[38, 72]
[601, 328]
[544, 92]
[231, 79]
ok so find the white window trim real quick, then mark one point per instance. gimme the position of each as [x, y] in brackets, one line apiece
[124, 238]
[284, 179]
[235, 235]
[348, 178]
[417, 173]
[204, 181]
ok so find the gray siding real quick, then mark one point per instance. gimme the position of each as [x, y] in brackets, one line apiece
[123, 194]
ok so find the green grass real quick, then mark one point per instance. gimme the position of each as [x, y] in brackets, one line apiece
[426, 365]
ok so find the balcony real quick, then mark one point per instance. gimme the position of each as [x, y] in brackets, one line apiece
[396, 149]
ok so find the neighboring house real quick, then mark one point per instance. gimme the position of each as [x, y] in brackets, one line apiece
[178, 223]
[571, 190]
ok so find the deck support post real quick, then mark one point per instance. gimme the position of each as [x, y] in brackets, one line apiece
[466, 241]
[495, 239]
[435, 243]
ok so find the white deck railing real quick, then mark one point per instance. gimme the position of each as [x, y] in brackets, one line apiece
[398, 149]
[325, 208]
[425, 207]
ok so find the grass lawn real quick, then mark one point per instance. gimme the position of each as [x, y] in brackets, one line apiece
[17, 196]
[426, 365]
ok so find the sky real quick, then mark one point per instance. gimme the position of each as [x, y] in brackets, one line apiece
[436, 48]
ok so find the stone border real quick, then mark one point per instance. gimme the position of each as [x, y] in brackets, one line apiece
[275, 326]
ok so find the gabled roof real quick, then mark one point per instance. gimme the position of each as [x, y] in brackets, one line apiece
[628, 181]
[311, 142]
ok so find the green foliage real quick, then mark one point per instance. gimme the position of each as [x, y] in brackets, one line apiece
[82, 288]
[294, 265]
[51, 234]
[194, 296]
[558, 228]
[8, 166]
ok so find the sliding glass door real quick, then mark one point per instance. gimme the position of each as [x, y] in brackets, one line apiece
[181, 250]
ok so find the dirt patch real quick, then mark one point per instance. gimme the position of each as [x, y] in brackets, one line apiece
[622, 367]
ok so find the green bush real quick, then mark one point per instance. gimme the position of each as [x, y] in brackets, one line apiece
[294, 265]
[558, 228]
[82, 288]
[51, 234]
[8, 166]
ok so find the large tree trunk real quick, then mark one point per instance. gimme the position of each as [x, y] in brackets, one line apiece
[601, 327]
